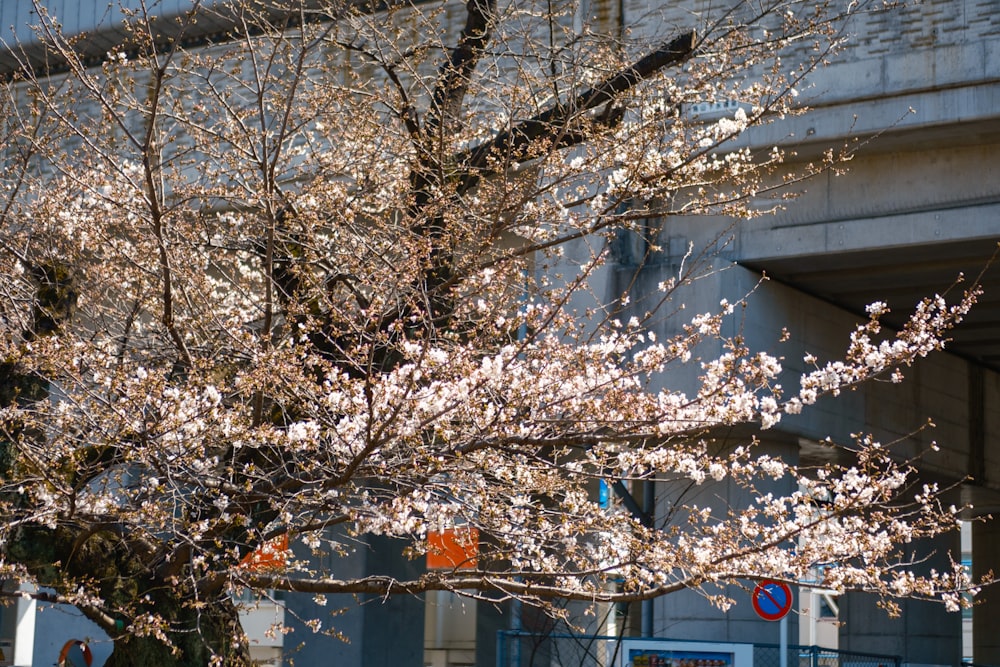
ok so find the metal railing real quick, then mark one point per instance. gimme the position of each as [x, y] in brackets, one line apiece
[769, 655]
[524, 649]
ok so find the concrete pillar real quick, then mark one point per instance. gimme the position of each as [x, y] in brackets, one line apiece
[924, 634]
[490, 618]
[688, 615]
[986, 558]
[381, 632]
[24, 639]
[393, 627]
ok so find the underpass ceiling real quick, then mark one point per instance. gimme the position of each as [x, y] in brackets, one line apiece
[900, 277]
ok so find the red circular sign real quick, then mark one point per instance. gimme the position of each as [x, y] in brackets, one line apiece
[772, 600]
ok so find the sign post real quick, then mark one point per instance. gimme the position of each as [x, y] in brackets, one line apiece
[772, 600]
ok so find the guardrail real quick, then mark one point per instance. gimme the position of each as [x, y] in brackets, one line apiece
[525, 649]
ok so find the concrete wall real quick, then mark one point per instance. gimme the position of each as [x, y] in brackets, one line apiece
[923, 634]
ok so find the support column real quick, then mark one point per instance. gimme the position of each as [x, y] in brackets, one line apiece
[986, 557]
[24, 637]
[17, 628]
[687, 614]
[490, 618]
[925, 634]
[393, 633]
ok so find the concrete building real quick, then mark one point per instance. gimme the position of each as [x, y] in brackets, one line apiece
[920, 89]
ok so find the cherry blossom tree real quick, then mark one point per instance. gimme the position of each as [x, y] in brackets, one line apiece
[311, 280]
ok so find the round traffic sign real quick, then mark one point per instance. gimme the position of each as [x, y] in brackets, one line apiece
[772, 600]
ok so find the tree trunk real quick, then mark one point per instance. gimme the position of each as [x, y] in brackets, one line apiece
[201, 636]
[157, 623]
[191, 632]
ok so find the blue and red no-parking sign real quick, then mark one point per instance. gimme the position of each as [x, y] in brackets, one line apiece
[772, 600]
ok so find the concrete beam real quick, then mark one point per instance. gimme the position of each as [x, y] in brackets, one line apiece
[902, 230]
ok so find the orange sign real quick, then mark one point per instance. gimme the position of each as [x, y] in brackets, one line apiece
[268, 556]
[453, 548]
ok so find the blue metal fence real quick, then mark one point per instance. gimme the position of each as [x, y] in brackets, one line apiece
[524, 649]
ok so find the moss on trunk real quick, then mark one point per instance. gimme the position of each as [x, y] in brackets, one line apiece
[207, 633]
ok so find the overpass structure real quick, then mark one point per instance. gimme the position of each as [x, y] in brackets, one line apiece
[918, 94]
